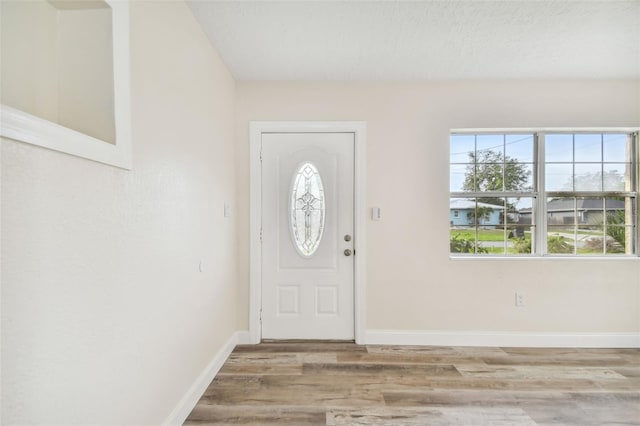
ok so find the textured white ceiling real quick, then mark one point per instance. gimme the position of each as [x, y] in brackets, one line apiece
[424, 40]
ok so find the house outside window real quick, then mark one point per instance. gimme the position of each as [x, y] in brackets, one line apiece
[544, 193]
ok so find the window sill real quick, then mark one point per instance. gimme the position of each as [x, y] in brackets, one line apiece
[546, 258]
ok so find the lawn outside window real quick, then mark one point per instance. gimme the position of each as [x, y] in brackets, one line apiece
[539, 193]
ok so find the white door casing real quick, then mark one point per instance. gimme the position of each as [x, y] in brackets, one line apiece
[307, 262]
[293, 295]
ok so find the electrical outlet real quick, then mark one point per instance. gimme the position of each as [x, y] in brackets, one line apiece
[519, 299]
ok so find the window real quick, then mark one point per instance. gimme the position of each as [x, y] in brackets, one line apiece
[307, 209]
[543, 193]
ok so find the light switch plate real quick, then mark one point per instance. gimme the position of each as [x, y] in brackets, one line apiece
[375, 213]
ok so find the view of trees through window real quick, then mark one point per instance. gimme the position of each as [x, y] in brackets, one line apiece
[543, 193]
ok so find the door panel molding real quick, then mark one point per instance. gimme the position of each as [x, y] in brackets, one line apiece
[256, 129]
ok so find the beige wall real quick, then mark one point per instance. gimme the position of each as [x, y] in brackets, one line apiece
[105, 316]
[85, 72]
[29, 67]
[412, 284]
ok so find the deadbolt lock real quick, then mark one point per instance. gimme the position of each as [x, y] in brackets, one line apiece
[347, 237]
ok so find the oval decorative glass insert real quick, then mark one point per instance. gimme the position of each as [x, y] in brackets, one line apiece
[306, 211]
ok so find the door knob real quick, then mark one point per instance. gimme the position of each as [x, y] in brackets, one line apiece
[347, 252]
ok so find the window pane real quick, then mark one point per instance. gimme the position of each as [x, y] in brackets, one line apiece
[478, 212]
[490, 211]
[561, 211]
[519, 211]
[490, 143]
[519, 148]
[493, 239]
[457, 176]
[518, 177]
[307, 209]
[560, 240]
[462, 147]
[590, 211]
[588, 148]
[559, 148]
[463, 240]
[559, 177]
[462, 211]
[588, 177]
[519, 204]
[616, 177]
[475, 212]
[615, 148]
[520, 240]
[519, 229]
[591, 240]
[489, 177]
[619, 240]
[476, 226]
[619, 211]
[486, 168]
[619, 225]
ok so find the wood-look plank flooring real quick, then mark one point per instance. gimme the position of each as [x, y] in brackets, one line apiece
[340, 383]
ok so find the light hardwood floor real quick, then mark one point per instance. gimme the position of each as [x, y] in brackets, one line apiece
[338, 383]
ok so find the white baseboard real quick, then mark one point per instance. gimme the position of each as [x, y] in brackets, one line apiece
[244, 338]
[505, 339]
[190, 399]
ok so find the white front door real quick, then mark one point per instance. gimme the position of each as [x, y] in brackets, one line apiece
[307, 235]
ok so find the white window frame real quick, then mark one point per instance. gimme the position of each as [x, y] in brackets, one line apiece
[539, 209]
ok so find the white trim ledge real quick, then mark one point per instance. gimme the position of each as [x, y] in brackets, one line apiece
[505, 339]
[23, 127]
[627, 129]
[547, 258]
[191, 398]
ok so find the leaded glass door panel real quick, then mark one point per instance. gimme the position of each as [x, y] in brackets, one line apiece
[307, 212]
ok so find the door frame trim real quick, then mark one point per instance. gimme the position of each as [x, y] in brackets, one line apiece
[256, 129]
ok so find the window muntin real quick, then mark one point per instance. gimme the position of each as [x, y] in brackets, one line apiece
[587, 205]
